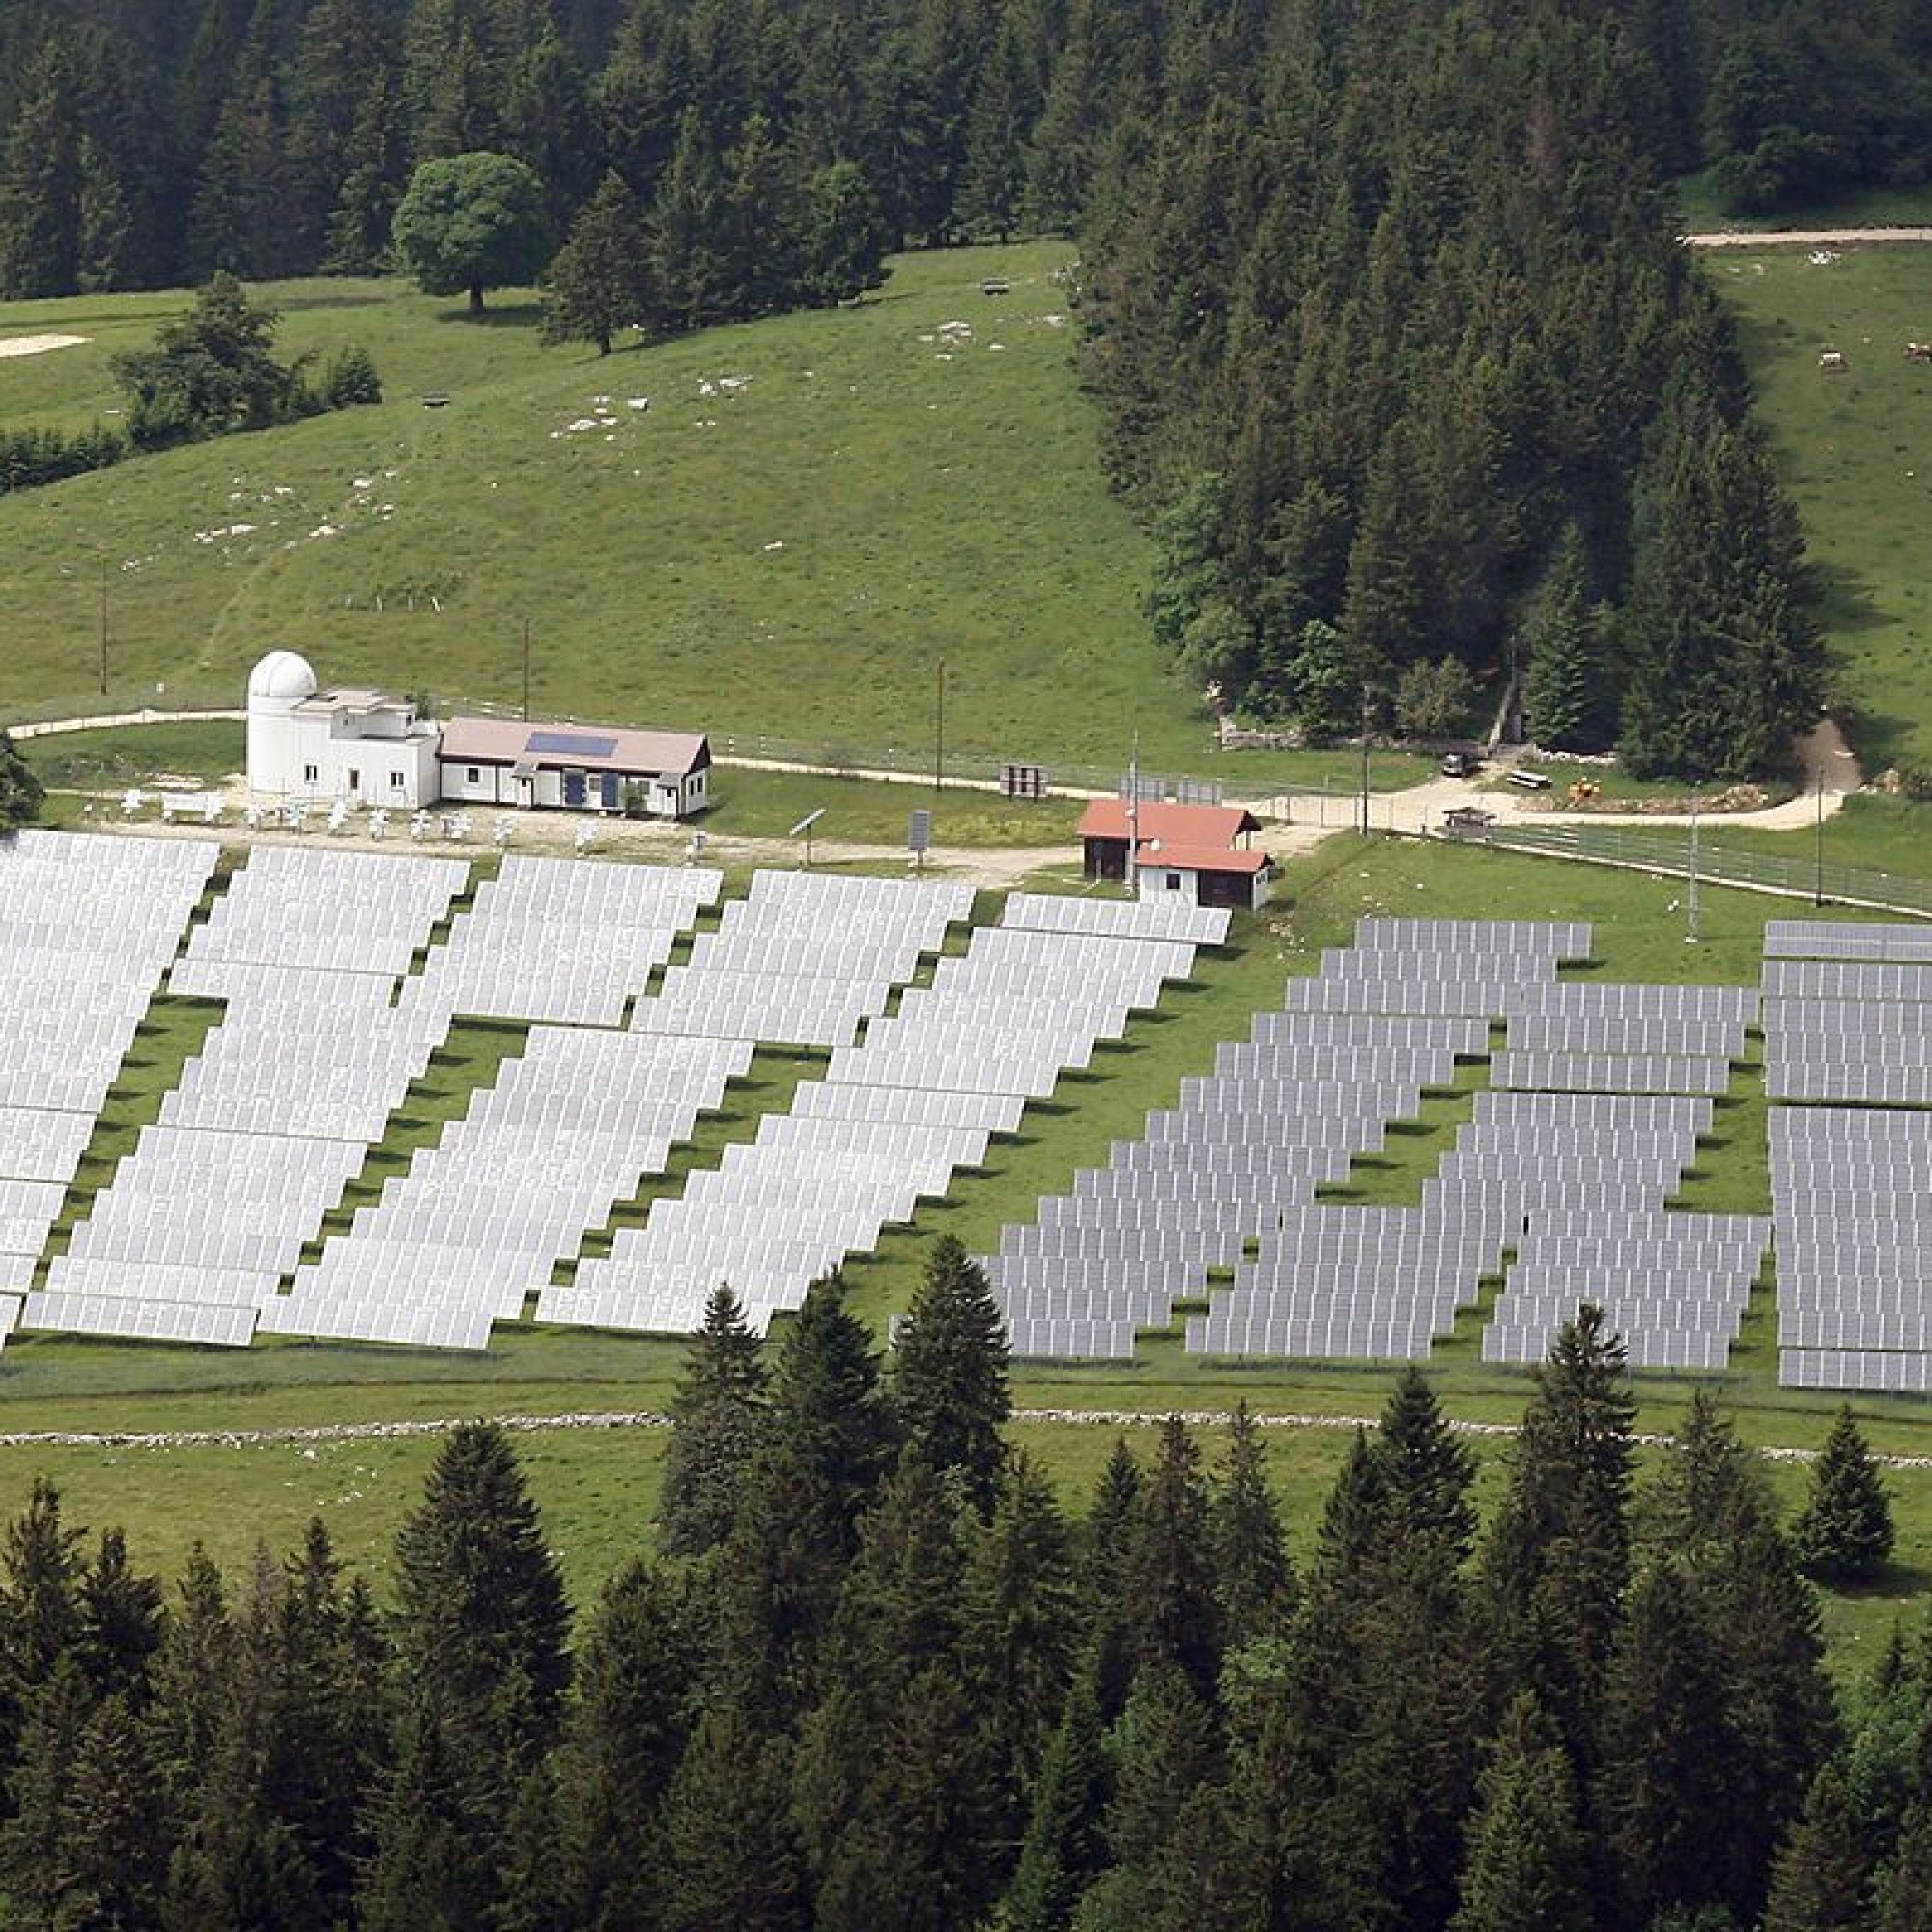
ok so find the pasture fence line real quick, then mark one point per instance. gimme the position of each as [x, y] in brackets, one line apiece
[1634, 848]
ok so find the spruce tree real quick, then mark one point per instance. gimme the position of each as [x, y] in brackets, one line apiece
[1425, 1469]
[21, 792]
[433, 1869]
[719, 1408]
[735, 1859]
[1356, 1520]
[950, 1372]
[1715, 1518]
[191, 1676]
[478, 1594]
[843, 238]
[1527, 1861]
[596, 283]
[118, 1622]
[1167, 1576]
[1905, 1885]
[1254, 1580]
[1065, 1849]
[1822, 1877]
[38, 1841]
[1557, 1559]
[893, 1787]
[1020, 1636]
[481, 1638]
[829, 1441]
[533, 1886]
[1166, 1749]
[40, 1612]
[1844, 1533]
[993, 183]
[1566, 695]
[41, 184]
[1105, 1548]
[116, 1858]
[622, 1743]
[1667, 1749]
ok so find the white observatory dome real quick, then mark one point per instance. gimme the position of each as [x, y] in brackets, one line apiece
[283, 677]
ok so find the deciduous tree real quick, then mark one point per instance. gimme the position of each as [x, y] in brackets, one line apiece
[474, 221]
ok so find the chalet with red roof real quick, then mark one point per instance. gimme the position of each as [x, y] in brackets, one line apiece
[1200, 852]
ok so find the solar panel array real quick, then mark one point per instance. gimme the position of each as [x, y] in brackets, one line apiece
[1829, 939]
[1243, 1152]
[275, 1114]
[1565, 1191]
[1386, 1282]
[1853, 1021]
[546, 941]
[805, 958]
[1848, 1017]
[889, 1124]
[1162, 918]
[1586, 1037]
[478, 1222]
[90, 928]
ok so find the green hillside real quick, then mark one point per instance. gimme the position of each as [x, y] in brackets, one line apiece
[793, 550]
[1855, 448]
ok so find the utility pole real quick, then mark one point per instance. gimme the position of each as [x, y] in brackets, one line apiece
[1365, 760]
[1134, 821]
[1696, 794]
[1818, 843]
[939, 733]
[104, 626]
[527, 671]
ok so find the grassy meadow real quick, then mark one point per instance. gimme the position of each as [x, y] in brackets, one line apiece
[1855, 448]
[1699, 209]
[813, 515]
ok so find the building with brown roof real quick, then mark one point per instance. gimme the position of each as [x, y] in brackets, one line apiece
[503, 761]
[1202, 852]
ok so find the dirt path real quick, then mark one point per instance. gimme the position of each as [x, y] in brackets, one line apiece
[1801, 238]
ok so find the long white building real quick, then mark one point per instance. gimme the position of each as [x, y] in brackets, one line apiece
[311, 746]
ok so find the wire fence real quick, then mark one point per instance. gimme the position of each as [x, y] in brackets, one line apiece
[1720, 864]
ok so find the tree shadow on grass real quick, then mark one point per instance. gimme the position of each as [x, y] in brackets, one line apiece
[1896, 1583]
[1842, 597]
[506, 315]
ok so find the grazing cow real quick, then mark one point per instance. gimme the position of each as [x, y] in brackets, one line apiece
[1831, 359]
[1919, 352]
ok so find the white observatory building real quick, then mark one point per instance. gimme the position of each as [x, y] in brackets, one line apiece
[312, 746]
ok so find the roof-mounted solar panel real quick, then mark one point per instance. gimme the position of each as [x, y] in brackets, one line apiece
[569, 745]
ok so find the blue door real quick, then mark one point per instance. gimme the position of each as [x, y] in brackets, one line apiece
[613, 791]
[574, 789]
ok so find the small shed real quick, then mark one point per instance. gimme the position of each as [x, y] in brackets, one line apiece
[1467, 821]
[1205, 877]
[503, 761]
[1108, 824]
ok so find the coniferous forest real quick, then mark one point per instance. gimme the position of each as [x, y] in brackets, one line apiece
[1395, 347]
[877, 1676]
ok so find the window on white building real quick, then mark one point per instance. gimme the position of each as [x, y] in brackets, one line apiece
[310, 774]
[397, 780]
[472, 775]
